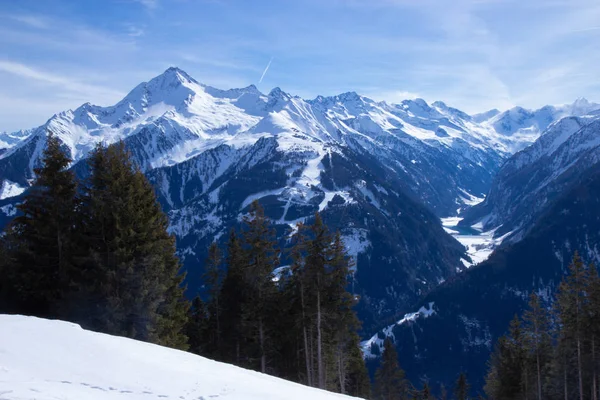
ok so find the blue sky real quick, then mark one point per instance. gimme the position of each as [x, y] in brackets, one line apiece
[472, 54]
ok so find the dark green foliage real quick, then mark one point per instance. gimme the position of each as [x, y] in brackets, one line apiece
[390, 383]
[540, 359]
[298, 324]
[506, 375]
[213, 277]
[131, 270]
[233, 297]
[261, 259]
[538, 347]
[461, 389]
[39, 244]
[102, 257]
[197, 327]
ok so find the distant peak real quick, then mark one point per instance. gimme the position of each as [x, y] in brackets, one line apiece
[349, 95]
[418, 101]
[277, 92]
[581, 101]
[175, 75]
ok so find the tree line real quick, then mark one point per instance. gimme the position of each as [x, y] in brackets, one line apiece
[551, 352]
[391, 384]
[298, 323]
[96, 251]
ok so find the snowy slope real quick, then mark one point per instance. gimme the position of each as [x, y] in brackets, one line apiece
[521, 126]
[381, 173]
[528, 182]
[42, 360]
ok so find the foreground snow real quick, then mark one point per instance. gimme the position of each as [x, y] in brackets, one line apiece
[42, 359]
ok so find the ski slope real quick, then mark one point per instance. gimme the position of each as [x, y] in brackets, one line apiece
[43, 359]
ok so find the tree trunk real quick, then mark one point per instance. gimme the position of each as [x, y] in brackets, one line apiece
[565, 379]
[218, 327]
[526, 383]
[306, 355]
[579, 371]
[321, 371]
[341, 370]
[594, 382]
[261, 336]
[539, 374]
[312, 356]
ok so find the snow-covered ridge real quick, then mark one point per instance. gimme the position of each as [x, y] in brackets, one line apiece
[531, 178]
[387, 332]
[43, 360]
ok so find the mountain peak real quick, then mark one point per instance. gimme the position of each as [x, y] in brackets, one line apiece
[174, 76]
[278, 93]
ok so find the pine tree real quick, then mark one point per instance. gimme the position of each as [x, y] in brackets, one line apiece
[262, 259]
[40, 242]
[315, 270]
[197, 326]
[592, 326]
[572, 304]
[233, 297]
[341, 320]
[390, 383]
[136, 288]
[213, 279]
[426, 392]
[461, 389]
[537, 341]
[443, 392]
[299, 286]
[505, 379]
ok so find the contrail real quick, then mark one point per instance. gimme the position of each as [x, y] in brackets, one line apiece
[265, 71]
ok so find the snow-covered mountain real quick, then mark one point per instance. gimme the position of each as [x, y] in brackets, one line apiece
[43, 360]
[381, 173]
[525, 126]
[528, 182]
[473, 309]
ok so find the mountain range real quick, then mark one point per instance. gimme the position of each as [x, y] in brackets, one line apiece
[383, 174]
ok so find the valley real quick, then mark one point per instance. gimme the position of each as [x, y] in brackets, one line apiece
[433, 204]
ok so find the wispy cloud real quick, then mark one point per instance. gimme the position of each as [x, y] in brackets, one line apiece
[149, 4]
[62, 83]
[34, 21]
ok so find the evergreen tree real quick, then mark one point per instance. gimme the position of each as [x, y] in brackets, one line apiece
[592, 326]
[426, 392]
[443, 392]
[341, 320]
[262, 258]
[213, 278]
[390, 383]
[233, 296]
[537, 342]
[572, 303]
[39, 244]
[461, 389]
[136, 289]
[506, 372]
[197, 326]
[316, 273]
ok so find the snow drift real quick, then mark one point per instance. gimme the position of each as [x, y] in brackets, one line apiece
[42, 359]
